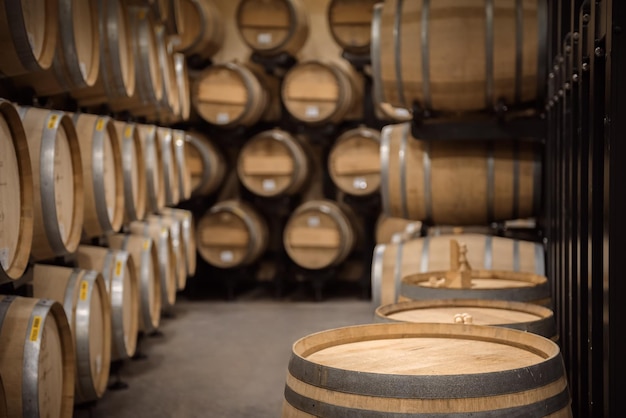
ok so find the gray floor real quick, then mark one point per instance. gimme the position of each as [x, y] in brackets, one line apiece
[222, 359]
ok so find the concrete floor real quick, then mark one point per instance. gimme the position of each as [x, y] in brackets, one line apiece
[223, 359]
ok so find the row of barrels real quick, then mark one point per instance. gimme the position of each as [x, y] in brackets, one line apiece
[56, 347]
[72, 177]
[319, 234]
[312, 92]
[104, 52]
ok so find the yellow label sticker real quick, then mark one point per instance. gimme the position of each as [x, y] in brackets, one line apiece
[128, 131]
[34, 331]
[52, 121]
[118, 268]
[146, 244]
[100, 124]
[84, 287]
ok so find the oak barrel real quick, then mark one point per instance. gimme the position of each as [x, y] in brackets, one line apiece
[395, 260]
[16, 189]
[499, 45]
[516, 315]
[37, 361]
[204, 31]
[350, 23]
[318, 92]
[148, 76]
[57, 180]
[420, 370]
[117, 61]
[270, 27]
[273, 163]
[146, 260]
[188, 236]
[179, 257]
[84, 298]
[170, 175]
[103, 174]
[162, 239]
[28, 35]
[458, 182]
[354, 162]
[387, 227]
[319, 234]
[76, 63]
[205, 163]
[183, 88]
[229, 95]
[183, 174]
[134, 169]
[155, 181]
[120, 276]
[231, 234]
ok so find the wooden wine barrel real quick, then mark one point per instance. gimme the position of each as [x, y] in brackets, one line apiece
[16, 189]
[37, 360]
[117, 62]
[396, 260]
[273, 163]
[160, 234]
[461, 370]
[84, 298]
[350, 23]
[319, 234]
[76, 63]
[148, 76]
[516, 315]
[231, 234]
[188, 236]
[134, 169]
[179, 257]
[205, 163]
[354, 162]
[500, 49]
[120, 276]
[204, 31]
[170, 175]
[170, 102]
[146, 260]
[387, 227]
[103, 174]
[317, 92]
[57, 181]
[229, 95]
[28, 35]
[458, 182]
[174, 20]
[155, 181]
[179, 144]
[271, 27]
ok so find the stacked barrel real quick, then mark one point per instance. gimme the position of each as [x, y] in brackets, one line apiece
[88, 218]
[444, 285]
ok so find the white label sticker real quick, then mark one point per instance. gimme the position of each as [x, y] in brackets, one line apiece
[359, 183]
[402, 113]
[4, 258]
[227, 256]
[31, 39]
[264, 38]
[312, 111]
[269, 185]
[223, 117]
[313, 221]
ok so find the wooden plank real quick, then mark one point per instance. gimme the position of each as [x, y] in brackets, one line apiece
[224, 237]
[314, 237]
[277, 165]
[357, 163]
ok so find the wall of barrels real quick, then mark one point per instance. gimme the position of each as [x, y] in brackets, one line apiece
[93, 167]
